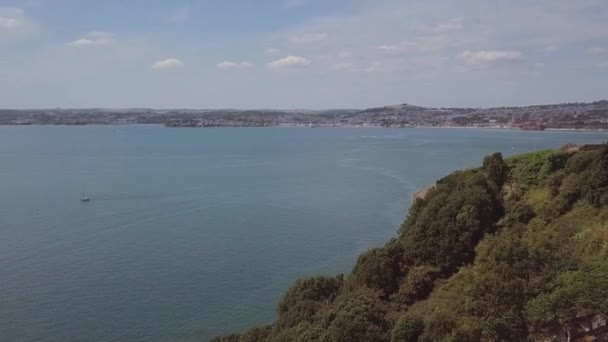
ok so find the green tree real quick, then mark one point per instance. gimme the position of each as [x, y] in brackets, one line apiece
[417, 285]
[316, 289]
[449, 226]
[357, 317]
[407, 329]
[256, 334]
[496, 169]
[574, 294]
[500, 274]
[379, 269]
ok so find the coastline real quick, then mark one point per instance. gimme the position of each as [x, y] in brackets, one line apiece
[318, 126]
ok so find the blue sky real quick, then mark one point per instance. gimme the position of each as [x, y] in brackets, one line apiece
[301, 53]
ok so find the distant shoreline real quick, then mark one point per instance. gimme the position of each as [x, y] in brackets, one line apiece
[315, 126]
[565, 116]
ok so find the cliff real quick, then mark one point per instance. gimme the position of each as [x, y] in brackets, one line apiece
[513, 250]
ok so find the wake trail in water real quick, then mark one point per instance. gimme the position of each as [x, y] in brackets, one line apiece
[127, 197]
[353, 162]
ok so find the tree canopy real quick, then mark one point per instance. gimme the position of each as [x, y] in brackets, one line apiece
[516, 249]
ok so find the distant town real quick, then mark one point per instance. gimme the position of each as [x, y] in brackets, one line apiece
[592, 115]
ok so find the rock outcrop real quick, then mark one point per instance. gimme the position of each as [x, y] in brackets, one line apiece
[593, 328]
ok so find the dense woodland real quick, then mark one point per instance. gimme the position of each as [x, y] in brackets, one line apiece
[514, 250]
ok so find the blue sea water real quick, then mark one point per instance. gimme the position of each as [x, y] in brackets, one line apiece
[192, 233]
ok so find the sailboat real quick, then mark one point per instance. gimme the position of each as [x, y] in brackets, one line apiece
[84, 198]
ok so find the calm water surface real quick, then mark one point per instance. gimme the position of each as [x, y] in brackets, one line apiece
[196, 232]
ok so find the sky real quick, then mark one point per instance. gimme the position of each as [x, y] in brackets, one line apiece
[296, 54]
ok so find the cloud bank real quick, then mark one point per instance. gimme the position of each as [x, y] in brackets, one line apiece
[289, 62]
[93, 38]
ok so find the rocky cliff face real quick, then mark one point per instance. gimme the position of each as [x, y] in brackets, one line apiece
[422, 193]
[592, 328]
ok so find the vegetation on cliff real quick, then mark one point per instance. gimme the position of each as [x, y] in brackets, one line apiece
[516, 249]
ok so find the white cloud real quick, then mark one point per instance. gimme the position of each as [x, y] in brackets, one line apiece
[603, 65]
[308, 38]
[169, 63]
[445, 27]
[81, 42]
[12, 20]
[234, 65]
[392, 48]
[180, 15]
[596, 50]
[375, 67]
[272, 51]
[489, 57]
[9, 23]
[94, 38]
[289, 62]
[418, 45]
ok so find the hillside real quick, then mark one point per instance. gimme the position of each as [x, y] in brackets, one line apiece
[513, 250]
[565, 115]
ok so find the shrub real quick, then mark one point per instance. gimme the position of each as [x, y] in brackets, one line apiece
[497, 291]
[533, 169]
[357, 316]
[303, 332]
[580, 293]
[447, 229]
[316, 289]
[496, 169]
[257, 334]
[302, 311]
[417, 285]
[228, 338]
[407, 329]
[518, 212]
[379, 269]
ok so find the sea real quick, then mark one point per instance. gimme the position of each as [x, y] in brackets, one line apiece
[192, 233]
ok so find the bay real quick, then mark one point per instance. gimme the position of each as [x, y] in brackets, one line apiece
[192, 233]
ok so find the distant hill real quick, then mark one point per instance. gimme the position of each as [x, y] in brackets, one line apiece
[566, 115]
[513, 250]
